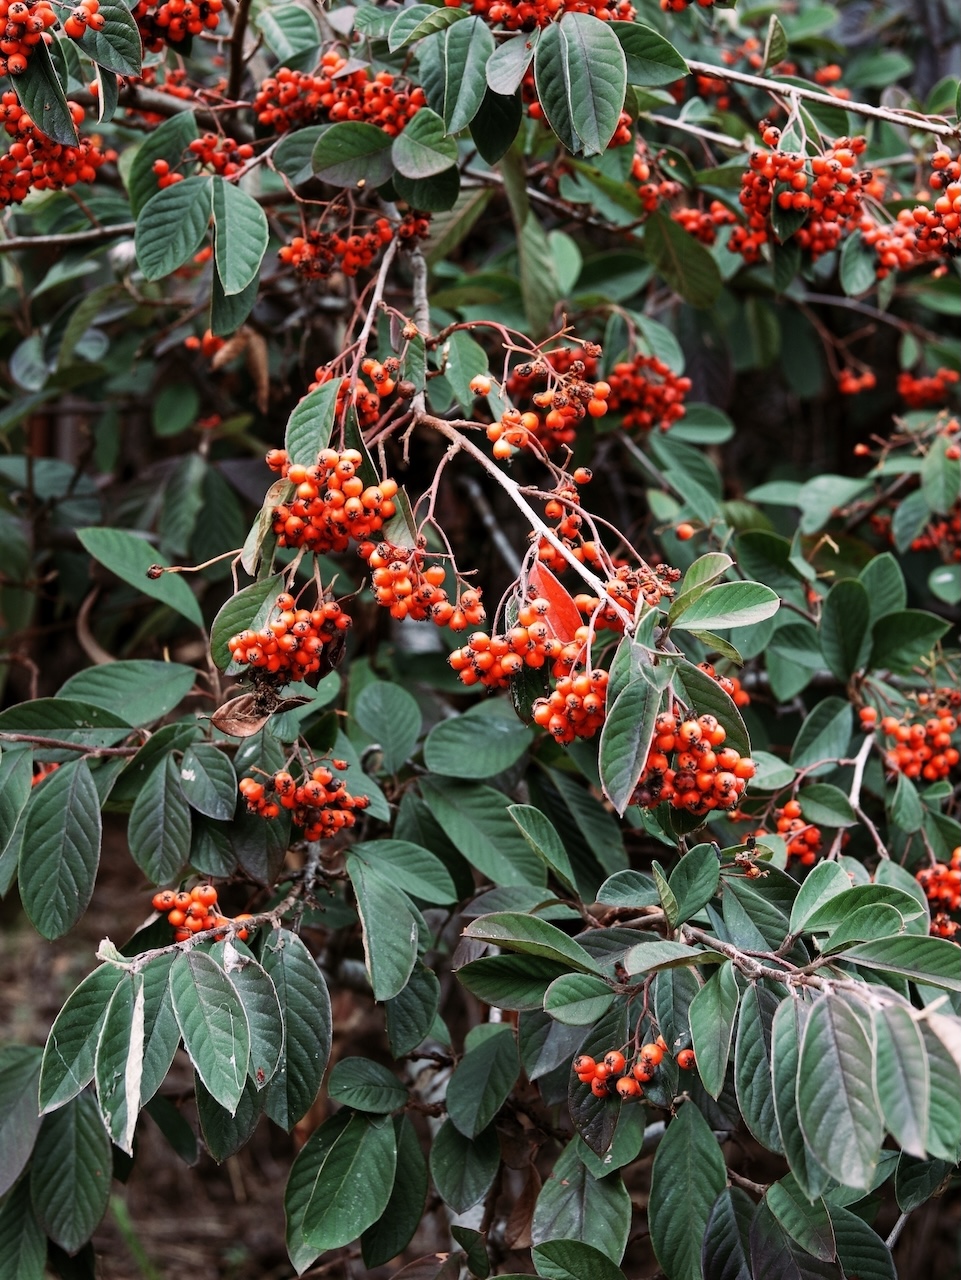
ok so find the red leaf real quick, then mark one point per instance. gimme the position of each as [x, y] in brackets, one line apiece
[563, 617]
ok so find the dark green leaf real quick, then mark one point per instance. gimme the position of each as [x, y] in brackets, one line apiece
[208, 781]
[826, 805]
[159, 828]
[482, 1080]
[423, 148]
[806, 1222]
[129, 557]
[365, 1086]
[19, 1111]
[240, 613]
[531, 935]
[169, 141]
[462, 1169]
[845, 627]
[786, 1032]
[310, 424]
[225, 1132]
[305, 1005]
[70, 1173]
[725, 1250]
[118, 46]
[389, 929]
[651, 60]
[476, 819]
[575, 1205]
[418, 21]
[23, 1247]
[61, 850]
[41, 94]
[213, 1024]
[824, 735]
[694, 880]
[902, 639]
[573, 1260]
[687, 1177]
[139, 690]
[860, 1251]
[626, 740]
[686, 266]
[351, 153]
[411, 1013]
[752, 1064]
[240, 235]
[901, 1077]
[391, 716]
[934, 961]
[511, 982]
[386, 1238]
[171, 226]
[453, 69]
[578, 999]
[68, 1059]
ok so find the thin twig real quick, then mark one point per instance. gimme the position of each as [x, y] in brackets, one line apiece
[907, 119]
[61, 744]
[68, 239]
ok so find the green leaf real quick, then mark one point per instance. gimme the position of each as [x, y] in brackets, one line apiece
[786, 1032]
[650, 957]
[483, 741]
[129, 557]
[508, 65]
[827, 806]
[240, 235]
[578, 999]
[944, 583]
[933, 961]
[626, 739]
[159, 828]
[225, 1133]
[776, 1256]
[208, 782]
[118, 46]
[834, 909]
[476, 819]
[857, 266]
[685, 264]
[845, 627]
[573, 1260]
[835, 1091]
[530, 935]
[541, 835]
[824, 735]
[917, 1180]
[161, 1033]
[171, 226]
[712, 1014]
[42, 97]
[389, 1236]
[241, 612]
[775, 43]
[462, 1169]
[70, 1173]
[19, 1113]
[69, 1055]
[411, 1013]
[581, 75]
[305, 1006]
[482, 1081]
[694, 880]
[423, 148]
[901, 1077]
[511, 982]
[409, 867]
[687, 1177]
[703, 694]
[23, 1247]
[352, 153]
[729, 604]
[119, 1061]
[944, 1112]
[310, 425]
[824, 882]
[339, 1184]
[139, 690]
[261, 1004]
[462, 360]
[389, 929]
[213, 1024]
[860, 1251]
[651, 60]
[573, 1204]
[806, 1222]
[418, 21]
[752, 1064]
[392, 719]
[725, 1249]
[884, 582]
[289, 30]
[365, 1086]
[453, 71]
[903, 639]
[61, 850]
[167, 142]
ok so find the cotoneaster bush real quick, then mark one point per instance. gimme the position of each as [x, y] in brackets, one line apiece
[493, 476]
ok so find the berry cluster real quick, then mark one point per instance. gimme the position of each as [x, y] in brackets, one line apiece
[42, 769]
[612, 1074]
[942, 534]
[827, 188]
[33, 162]
[654, 189]
[366, 402]
[852, 384]
[289, 98]
[705, 774]
[730, 684]
[648, 393]
[331, 503]
[491, 660]
[315, 255]
[627, 588]
[803, 839]
[208, 345]
[895, 243]
[320, 804]
[565, 405]
[575, 708]
[926, 392]
[225, 156]
[941, 883]
[702, 224]
[87, 14]
[403, 584]
[939, 229]
[163, 22]
[291, 643]
[919, 749]
[194, 911]
[527, 15]
[23, 24]
[678, 6]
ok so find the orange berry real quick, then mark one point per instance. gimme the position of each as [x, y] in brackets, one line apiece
[684, 532]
